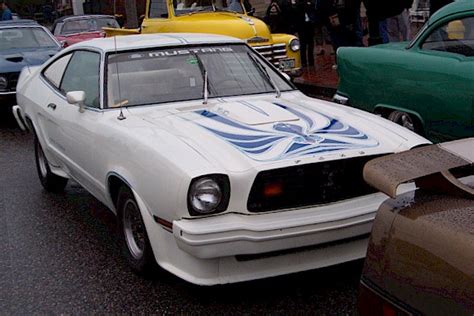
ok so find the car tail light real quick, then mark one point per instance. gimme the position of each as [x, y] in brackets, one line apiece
[373, 304]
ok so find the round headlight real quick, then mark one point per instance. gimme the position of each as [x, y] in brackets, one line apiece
[205, 195]
[3, 83]
[295, 44]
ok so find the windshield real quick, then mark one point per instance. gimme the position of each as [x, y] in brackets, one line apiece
[176, 74]
[24, 38]
[191, 6]
[88, 25]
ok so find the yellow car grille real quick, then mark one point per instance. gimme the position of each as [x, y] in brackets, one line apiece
[273, 53]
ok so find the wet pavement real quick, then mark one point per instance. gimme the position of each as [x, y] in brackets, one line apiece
[59, 254]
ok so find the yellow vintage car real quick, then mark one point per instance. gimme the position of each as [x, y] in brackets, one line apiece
[224, 17]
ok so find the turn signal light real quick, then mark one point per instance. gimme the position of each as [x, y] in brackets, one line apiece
[272, 189]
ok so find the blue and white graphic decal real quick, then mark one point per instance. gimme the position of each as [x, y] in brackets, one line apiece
[309, 133]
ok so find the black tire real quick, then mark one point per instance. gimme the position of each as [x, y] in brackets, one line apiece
[134, 239]
[406, 120]
[51, 182]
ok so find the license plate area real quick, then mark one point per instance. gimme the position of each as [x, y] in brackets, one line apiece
[287, 64]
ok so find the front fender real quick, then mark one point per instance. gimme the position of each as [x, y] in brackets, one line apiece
[279, 38]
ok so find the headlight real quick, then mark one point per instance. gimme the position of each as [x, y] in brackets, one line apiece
[208, 194]
[295, 45]
[3, 83]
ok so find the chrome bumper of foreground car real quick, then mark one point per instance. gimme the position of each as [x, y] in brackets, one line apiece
[235, 234]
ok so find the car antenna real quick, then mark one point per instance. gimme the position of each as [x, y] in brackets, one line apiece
[120, 117]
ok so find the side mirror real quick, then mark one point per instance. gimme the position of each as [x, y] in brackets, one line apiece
[63, 43]
[77, 97]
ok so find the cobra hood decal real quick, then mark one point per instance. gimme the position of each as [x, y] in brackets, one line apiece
[310, 133]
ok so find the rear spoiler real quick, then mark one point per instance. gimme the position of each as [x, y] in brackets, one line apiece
[429, 166]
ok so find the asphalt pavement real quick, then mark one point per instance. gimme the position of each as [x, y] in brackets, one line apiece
[59, 254]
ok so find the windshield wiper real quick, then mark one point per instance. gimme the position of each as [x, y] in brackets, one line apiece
[204, 78]
[264, 72]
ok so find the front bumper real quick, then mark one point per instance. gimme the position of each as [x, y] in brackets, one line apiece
[237, 234]
[294, 73]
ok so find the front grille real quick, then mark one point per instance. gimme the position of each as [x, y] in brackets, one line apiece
[273, 53]
[12, 80]
[311, 184]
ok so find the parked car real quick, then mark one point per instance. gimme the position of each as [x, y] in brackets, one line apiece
[426, 85]
[220, 17]
[23, 43]
[216, 166]
[421, 252]
[77, 28]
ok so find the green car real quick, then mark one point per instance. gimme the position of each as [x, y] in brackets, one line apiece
[426, 85]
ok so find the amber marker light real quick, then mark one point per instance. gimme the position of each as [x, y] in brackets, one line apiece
[272, 189]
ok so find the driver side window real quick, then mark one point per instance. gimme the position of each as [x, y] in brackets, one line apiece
[456, 36]
[158, 9]
[82, 74]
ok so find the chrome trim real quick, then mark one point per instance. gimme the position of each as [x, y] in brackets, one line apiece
[8, 93]
[262, 47]
[340, 99]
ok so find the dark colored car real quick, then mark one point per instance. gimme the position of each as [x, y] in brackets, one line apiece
[426, 85]
[74, 29]
[23, 43]
[420, 258]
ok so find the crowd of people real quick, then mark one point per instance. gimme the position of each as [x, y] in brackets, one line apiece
[311, 20]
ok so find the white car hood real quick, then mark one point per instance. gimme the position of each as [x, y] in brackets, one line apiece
[265, 132]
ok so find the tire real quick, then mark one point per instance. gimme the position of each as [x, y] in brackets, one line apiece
[406, 120]
[51, 182]
[134, 239]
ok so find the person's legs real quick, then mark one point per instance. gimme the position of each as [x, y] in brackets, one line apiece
[310, 42]
[303, 47]
[383, 31]
[404, 25]
[393, 29]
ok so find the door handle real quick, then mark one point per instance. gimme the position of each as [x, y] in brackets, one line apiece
[52, 106]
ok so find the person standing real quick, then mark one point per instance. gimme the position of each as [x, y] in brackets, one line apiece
[305, 23]
[399, 26]
[342, 18]
[273, 16]
[7, 13]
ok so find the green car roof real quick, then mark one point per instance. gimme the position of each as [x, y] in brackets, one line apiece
[452, 8]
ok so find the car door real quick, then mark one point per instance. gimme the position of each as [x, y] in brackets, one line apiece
[46, 93]
[443, 79]
[75, 132]
[158, 17]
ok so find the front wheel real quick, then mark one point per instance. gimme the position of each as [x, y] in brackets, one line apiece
[134, 238]
[404, 119]
[50, 181]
